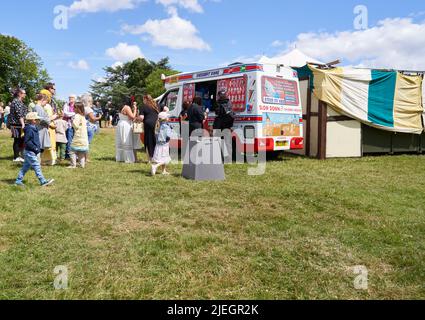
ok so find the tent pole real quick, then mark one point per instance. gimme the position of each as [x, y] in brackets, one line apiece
[308, 116]
[323, 124]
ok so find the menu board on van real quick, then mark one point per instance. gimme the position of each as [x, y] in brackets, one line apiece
[236, 91]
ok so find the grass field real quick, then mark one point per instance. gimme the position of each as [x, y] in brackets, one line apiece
[294, 233]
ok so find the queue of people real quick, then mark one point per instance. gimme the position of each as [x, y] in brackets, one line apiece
[55, 136]
[44, 135]
[156, 135]
[157, 131]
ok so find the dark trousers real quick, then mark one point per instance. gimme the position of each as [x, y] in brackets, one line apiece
[150, 139]
[223, 122]
[194, 126]
[69, 136]
[18, 147]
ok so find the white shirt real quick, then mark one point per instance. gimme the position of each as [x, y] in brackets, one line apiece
[88, 110]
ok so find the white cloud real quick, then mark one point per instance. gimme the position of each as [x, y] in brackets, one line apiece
[91, 6]
[100, 79]
[174, 32]
[191, 5]
[79, 65]
[117, 64]
[124, 52]
[277, 43]
[242, 59]
[392, 43]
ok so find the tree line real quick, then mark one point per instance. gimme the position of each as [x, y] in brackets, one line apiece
[132, 79]
[20, 66]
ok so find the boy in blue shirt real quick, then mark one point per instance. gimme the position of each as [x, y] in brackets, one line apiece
[32, 150]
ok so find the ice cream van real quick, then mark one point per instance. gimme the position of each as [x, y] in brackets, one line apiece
[265, 99]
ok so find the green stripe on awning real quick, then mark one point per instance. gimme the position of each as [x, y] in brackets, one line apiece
[305, 72]
[381, 98]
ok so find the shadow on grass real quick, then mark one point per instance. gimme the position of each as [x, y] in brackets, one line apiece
[105, 159]
[147, 173]
[9, 182]
[282, 156]
[10, 158]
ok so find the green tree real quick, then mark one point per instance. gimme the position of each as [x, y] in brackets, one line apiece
[113, 88]
[134, 78]
[154, 84]
[21, 67]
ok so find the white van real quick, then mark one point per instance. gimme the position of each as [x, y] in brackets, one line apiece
[265, 99]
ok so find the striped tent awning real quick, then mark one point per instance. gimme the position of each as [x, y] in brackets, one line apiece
[387, 100]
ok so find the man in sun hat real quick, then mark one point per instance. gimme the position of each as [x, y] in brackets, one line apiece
[32, 150]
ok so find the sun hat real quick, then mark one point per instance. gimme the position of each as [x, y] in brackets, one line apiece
[32, 116]
[163, 116]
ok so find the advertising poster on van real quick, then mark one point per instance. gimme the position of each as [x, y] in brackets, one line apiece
[279, 91]
[278, 124]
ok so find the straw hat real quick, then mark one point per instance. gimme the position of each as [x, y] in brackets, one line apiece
[32, 116]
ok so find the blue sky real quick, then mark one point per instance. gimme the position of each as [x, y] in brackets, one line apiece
[199, 34]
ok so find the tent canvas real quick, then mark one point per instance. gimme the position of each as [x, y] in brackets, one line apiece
[295, 58]
[387, 100]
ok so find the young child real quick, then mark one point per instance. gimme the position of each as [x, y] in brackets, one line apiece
[80, 143]
[161, 156]
[61, 140]
[32, 150]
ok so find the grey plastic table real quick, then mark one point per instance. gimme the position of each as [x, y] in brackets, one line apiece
[203, 160]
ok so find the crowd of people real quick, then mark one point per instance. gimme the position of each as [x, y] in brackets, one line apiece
[43, 135]
[158, 133]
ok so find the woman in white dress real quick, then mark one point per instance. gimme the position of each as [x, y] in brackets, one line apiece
[127, 143]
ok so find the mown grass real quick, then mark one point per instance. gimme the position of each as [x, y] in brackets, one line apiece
[294, 233]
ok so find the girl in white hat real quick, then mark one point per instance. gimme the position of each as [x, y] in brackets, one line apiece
[161, 156]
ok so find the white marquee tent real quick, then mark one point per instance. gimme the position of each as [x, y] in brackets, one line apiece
[295, 58]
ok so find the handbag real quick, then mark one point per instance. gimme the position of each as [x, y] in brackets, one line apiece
[138, 128]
